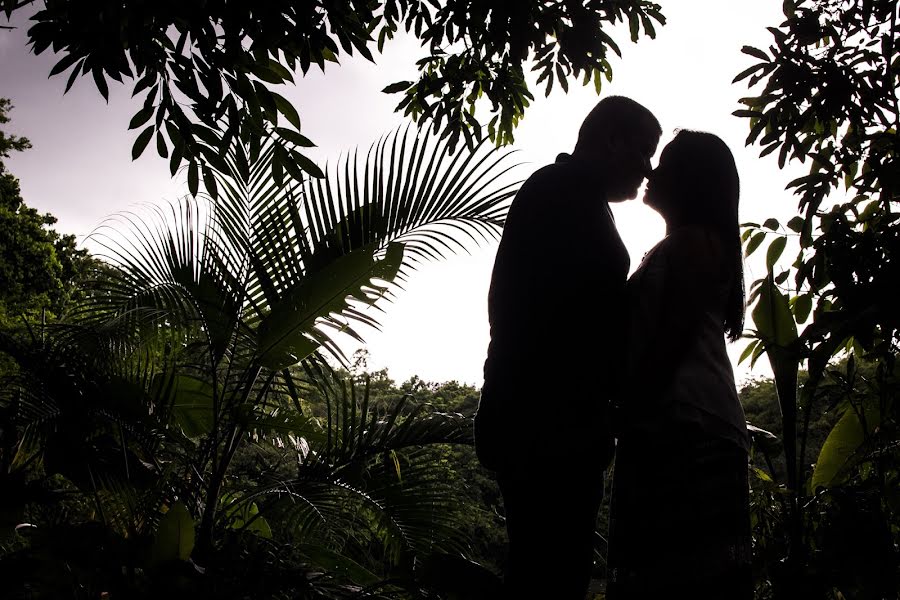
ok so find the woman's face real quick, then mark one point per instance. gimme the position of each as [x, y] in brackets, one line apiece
[661, 188]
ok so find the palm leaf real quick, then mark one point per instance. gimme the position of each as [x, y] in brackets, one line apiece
[408, 190]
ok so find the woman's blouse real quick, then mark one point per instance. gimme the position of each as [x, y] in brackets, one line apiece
[701, 394]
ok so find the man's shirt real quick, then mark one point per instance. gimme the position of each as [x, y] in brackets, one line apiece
[556, 314]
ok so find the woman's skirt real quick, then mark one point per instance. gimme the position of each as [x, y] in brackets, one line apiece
[680, 522]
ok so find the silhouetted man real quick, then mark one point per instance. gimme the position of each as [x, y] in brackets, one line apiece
[555, 310]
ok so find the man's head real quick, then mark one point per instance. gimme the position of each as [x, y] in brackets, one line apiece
[619, 136]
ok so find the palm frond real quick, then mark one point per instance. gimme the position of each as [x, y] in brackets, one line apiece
[407, 190]
[171, 268]
[366, 473]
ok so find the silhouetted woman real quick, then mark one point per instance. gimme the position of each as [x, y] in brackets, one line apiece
[680, 516]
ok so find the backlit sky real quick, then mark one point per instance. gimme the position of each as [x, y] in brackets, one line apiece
[80, 168]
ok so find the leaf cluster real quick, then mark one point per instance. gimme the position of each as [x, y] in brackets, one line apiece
[205, 338]
[830, 96]
[478, 52]
[216, 65]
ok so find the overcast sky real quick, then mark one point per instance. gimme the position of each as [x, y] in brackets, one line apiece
[80, 168]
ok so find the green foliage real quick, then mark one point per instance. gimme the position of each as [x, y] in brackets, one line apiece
[214, 66]
[163, 373]
[174, 536]
[830, 95]
[849, 475]
[39, 268]
[283, 332]
[9, 142]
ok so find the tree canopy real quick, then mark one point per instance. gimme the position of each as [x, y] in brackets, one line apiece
[36, 262]
[213, 65]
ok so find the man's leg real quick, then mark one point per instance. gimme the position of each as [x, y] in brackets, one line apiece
[550, 520]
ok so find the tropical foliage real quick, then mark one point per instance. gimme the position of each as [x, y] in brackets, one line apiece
[830, 97]
[180, 430]
[201, 65]
[208, 337]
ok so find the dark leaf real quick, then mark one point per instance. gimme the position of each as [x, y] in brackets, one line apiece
[100, 80]
[193, 177]
[307, 165]
[141, 117]
[141, 142]
[400, 86]
[755, 52]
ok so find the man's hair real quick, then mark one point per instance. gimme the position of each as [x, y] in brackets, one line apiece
[614, 117]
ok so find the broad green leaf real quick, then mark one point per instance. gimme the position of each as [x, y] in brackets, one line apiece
[175, 536]
[774, 251]
[245, 516]
[286, 334]
[842, 443]
[754, 242]
[260, 526]
[802, 306]
[772, 316]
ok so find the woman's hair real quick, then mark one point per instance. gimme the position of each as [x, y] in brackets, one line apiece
[707, 190]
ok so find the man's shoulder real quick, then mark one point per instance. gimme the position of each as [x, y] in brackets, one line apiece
[551, 175]
[558, 180]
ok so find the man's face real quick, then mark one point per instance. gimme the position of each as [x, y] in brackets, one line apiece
[631, 163]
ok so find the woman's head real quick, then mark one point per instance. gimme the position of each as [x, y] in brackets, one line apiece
[696, 183]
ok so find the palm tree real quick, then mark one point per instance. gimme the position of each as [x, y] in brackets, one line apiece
[214, 326]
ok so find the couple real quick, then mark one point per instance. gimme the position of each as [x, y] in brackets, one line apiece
[580, 357]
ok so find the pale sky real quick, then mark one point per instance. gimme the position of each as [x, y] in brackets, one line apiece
[81, 171]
